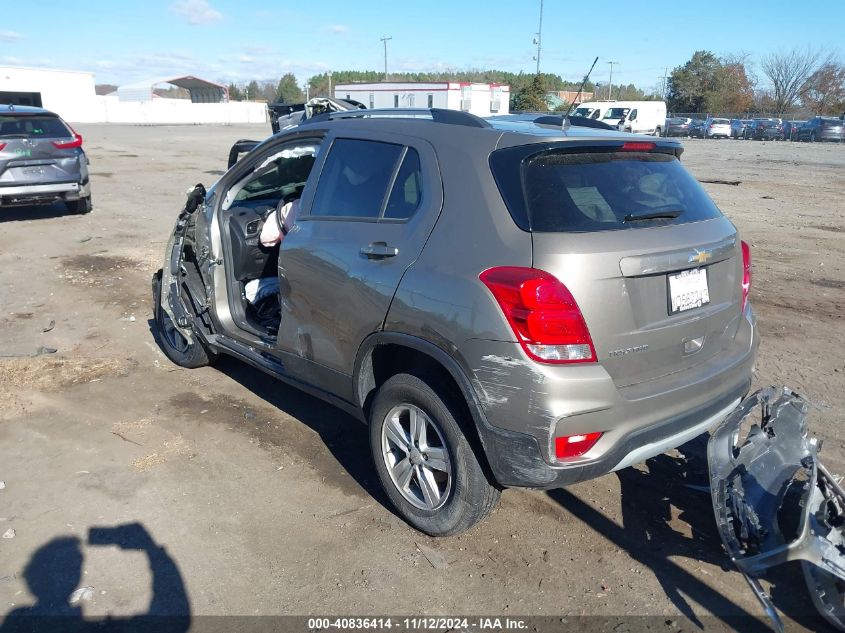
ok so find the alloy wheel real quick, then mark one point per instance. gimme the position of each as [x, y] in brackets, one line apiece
[417, 459]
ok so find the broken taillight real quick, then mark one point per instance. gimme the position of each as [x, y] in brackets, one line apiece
[570, 446]
[746, 272]
[542, 313]
[75, 142]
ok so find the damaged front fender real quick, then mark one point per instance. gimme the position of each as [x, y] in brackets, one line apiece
[775, 501]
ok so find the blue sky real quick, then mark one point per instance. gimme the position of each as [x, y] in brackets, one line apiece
[245, 39]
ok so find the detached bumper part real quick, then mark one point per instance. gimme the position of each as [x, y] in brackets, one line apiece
[775, 501]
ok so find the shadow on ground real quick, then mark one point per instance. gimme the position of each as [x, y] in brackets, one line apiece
[43, 212]
[54, 573]
[344, 436]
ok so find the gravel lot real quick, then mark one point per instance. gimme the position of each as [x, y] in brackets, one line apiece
[264, 497]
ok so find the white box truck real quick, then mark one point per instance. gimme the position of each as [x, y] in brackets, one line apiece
[639, 117]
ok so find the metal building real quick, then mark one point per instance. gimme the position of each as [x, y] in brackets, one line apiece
[201, 90]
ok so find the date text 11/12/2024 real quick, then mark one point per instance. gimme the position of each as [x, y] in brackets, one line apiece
[418, 623]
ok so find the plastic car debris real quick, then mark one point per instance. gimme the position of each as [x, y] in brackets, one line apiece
[776, 502]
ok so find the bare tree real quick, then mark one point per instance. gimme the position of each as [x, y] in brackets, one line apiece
[788, 73]
[824, 90]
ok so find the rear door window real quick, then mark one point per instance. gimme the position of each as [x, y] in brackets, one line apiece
[562, 191]
[369, 180]
[33, 126]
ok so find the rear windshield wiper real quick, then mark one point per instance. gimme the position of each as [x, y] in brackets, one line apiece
[653, 215]
[14, 135]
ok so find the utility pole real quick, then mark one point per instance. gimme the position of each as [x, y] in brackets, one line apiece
[610, 82]
[330, 83]
[385, 39]
[539, 39]
[664, 78]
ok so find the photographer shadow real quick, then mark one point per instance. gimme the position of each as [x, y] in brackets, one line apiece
[54, 572]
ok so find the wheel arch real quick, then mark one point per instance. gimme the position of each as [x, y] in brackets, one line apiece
[384, 354]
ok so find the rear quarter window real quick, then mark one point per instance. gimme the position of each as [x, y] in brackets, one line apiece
[33, 126]
[563, 191]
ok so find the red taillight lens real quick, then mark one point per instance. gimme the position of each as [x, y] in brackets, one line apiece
[543, 314]
[746, 272]
[637, 146]
[76, 142]
[2, 145]
[575, 445]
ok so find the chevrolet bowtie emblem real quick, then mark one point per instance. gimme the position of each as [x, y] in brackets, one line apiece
[699, 257]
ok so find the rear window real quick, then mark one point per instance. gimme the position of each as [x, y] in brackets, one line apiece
[721, 121]
[33, 126]
[562, 191]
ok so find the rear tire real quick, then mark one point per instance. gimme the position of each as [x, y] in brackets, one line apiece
[81, 206]
[174, 345]
[424, 460]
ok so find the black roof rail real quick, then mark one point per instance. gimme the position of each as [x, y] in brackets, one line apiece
[438, 115]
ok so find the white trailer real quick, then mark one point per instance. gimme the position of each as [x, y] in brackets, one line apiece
[479, 99]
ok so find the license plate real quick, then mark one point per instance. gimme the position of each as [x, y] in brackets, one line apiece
[688, 290]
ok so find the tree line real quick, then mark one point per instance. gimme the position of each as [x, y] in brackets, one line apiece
[527, 90]
[812, 80]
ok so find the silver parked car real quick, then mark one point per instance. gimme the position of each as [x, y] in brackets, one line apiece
[41, 160]
[717, 128]
[503, 303]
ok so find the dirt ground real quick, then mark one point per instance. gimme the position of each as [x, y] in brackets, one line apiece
[264, 498]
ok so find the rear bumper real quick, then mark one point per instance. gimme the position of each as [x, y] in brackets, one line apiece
[527, 405]
[516, 461]
[20, 195]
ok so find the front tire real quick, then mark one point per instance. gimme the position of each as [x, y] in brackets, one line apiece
[174, 345]
[424, 460]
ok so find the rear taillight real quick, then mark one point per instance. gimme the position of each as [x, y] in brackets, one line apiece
[746, 273]
[2, 146]
[637, 146]
[571, 446]
[76, 142]
[543, 314]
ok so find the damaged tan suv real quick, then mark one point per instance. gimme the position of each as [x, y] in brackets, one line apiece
[503, 302]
